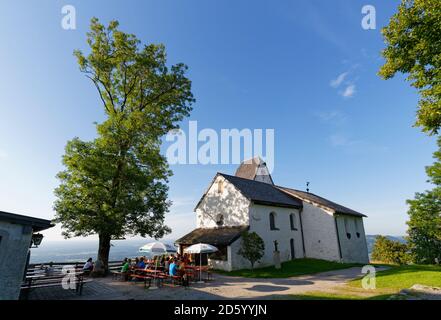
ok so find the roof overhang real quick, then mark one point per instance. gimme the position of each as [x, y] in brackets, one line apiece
[37, 224]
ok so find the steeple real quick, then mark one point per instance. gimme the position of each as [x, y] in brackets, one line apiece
[254, 169]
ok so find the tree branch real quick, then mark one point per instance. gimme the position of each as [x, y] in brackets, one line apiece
[158, 96]
[99, 91]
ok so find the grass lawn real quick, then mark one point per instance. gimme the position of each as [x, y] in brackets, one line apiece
[402, 277]
[388, 284]
[291, 268]
[337, 296]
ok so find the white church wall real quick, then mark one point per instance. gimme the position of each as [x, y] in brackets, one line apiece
[260, 223]
[230, 203]
[237, 261]
[354, 249]
[220, 264]
[319, 233]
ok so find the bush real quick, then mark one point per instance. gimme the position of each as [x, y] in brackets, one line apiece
[390, 251]
[252, 248]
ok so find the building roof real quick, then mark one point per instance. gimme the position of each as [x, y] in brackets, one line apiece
[37, 224]
[310, 197]
[247, 170]
[222, 236]
[262, 193]
[250, 168]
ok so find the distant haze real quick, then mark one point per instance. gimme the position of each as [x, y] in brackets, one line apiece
[80, 250]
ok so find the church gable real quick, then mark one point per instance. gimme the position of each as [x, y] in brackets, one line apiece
[222, 205]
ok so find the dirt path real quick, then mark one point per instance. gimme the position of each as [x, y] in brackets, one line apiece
[222, 287]
[225, 287]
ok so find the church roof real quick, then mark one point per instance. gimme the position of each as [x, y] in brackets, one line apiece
[310, 197]
[262, 193]
[221, 236]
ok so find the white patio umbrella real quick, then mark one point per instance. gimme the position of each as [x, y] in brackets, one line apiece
[201, 248]
[158, 248]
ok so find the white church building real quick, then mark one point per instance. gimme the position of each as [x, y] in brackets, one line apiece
[302, 224]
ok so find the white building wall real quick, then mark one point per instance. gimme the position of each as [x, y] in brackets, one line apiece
[230, 203]
[319, 233]
[354, 249]
[237, 262]
[260, 223]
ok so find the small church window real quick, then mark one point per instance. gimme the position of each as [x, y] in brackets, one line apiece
[272, 218]
[348, 233]
[292, 221]
[220, 186]
[357, 228]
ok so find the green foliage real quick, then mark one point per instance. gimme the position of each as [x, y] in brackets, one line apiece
[424, 232]
[116, 185]
[390, 251]
[424, 225]
[252, 247]
[413, 39]
[292, 268]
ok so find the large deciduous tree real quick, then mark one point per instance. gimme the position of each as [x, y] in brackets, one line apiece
[424, 225]
[413, 39]
[116, 185]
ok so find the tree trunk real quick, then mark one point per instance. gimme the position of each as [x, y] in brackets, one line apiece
[104, 250]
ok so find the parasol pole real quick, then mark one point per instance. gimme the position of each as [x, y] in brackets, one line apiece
[200, 264]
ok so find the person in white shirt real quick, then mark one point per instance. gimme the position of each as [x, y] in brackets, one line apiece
[88, 266]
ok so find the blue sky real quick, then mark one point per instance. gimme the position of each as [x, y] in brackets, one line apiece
[306, 69]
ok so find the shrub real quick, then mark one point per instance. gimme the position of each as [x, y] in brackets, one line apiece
[390, 251]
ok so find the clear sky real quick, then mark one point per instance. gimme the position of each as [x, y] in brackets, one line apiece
[306, 69]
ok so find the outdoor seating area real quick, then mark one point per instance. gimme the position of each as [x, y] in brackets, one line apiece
[157, 275]
[166, 269]
[159, 266]
[67, 275]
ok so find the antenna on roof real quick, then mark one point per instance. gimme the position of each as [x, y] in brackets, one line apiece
[307, 186]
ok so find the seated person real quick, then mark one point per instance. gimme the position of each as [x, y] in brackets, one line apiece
[126, 266]
[173, 268]
[88, 266]
[167, 263]
[141, 264]
[50, 269]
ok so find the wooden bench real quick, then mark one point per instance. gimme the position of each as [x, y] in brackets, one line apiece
[120, 275]
[145, 278]
[54, 279]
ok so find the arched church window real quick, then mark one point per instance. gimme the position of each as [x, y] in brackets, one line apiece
[272, 218]
[220, 186]
[292, 221]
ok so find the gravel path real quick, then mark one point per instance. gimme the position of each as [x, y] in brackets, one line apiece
[222, 287]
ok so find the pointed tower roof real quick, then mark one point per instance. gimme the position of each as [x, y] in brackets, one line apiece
[254, 169]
